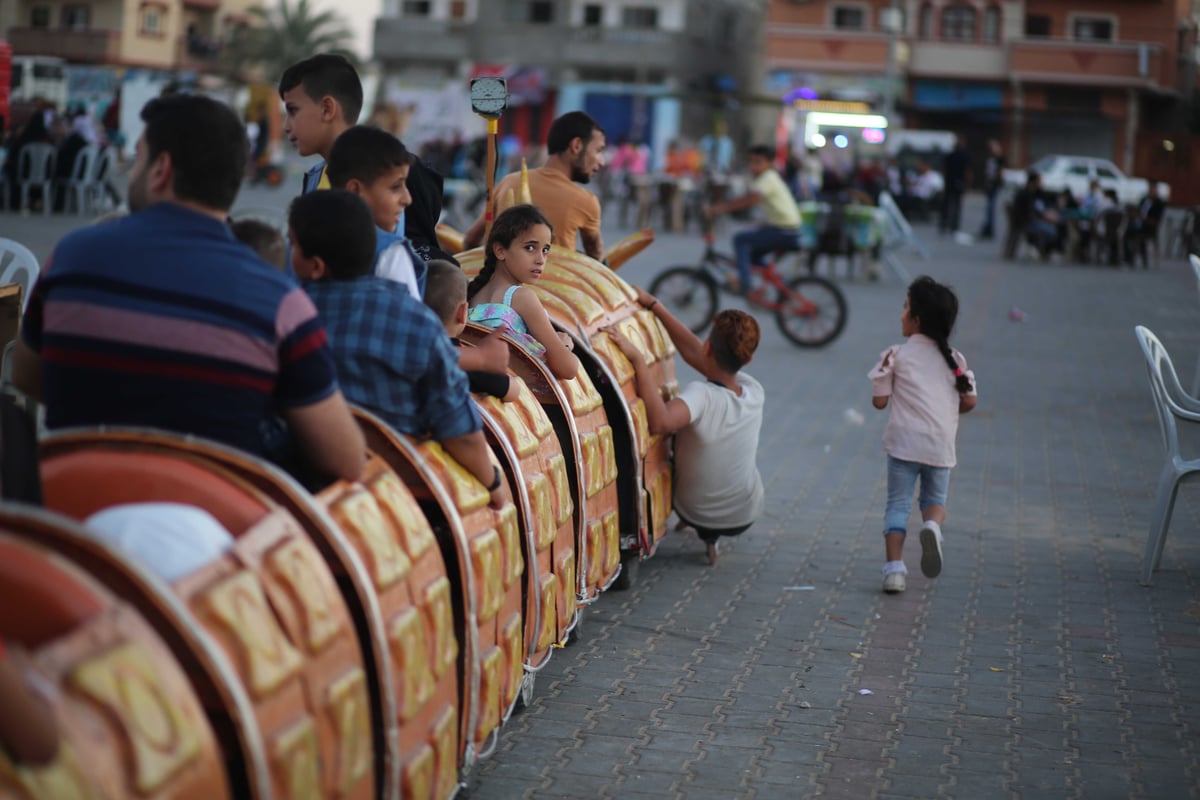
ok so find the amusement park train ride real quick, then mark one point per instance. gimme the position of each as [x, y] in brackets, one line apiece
[369, 640]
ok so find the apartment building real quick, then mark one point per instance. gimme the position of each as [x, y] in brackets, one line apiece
[649, 70]
[154, 34]
[1109, 78]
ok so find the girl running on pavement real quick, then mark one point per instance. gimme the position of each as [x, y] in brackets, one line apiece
[929, 385]
[515, 255]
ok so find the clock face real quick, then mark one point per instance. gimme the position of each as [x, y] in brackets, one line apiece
[489, 96]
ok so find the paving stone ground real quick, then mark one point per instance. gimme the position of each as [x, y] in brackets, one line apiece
[1035, 666]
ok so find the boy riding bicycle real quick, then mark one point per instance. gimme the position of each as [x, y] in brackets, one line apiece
[780, 228]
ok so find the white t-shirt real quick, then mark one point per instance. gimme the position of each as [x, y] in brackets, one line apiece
[171, 539]
[396, 264]
[717, 484]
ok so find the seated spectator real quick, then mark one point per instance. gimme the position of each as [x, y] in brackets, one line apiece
[134, 322]
[1143, 225]
[374, 165]
[391, 351]
[170, 539]
[262, 239]
[446, 294]
[1034, 217]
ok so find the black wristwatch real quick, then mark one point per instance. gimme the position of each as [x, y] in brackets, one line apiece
[495, 480]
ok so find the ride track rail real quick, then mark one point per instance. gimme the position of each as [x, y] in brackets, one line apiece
[368, 640]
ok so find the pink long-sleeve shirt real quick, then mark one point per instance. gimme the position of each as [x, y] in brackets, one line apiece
[923, 421]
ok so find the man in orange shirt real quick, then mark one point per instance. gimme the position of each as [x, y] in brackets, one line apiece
[576, 152]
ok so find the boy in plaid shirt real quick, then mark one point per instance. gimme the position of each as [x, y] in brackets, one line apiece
[392, 354]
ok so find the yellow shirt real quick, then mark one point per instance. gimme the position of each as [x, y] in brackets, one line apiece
[779, 207]
[324, 182]
[569, 207]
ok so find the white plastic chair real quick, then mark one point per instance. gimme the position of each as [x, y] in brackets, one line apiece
[77, 186]
[1174, 406]
[35, 167]
[18, 265]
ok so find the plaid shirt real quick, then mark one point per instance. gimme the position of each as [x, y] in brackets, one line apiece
[394, 358]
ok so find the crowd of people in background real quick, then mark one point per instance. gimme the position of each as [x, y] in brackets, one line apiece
[68, 131]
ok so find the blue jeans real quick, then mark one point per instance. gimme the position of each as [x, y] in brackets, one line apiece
[989, 216]
[751, 245]
[902, 479]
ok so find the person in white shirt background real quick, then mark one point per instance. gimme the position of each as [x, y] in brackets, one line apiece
[928, 385]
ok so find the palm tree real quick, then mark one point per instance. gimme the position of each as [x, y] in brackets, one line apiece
[278, 37]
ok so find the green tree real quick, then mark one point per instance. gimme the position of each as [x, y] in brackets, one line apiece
[278, 37]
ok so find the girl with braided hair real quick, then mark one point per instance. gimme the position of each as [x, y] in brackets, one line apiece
[718, 490]
[515, 254]
[929, 386]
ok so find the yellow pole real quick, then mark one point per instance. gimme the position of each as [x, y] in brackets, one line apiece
[489, 212]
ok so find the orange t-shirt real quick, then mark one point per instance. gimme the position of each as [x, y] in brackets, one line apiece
[569, 207]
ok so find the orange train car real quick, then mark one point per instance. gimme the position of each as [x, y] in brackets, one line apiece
[371, 639]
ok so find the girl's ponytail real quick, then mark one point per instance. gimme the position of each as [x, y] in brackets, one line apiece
[961, 381]
[481, 280]
[936, 309]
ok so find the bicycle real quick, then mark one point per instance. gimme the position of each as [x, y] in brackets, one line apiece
[810, 310]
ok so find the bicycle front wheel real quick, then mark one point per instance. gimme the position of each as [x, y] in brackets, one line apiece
[812, 312]
[688, 293]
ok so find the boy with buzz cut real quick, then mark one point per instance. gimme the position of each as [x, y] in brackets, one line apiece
[374, 165]
[392, 354]
[446, 294]
[322, 97]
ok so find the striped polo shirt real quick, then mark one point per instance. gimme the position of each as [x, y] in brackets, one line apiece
[163, 319]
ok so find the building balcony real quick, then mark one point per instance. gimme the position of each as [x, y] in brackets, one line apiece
[423, 40]
[197, 53]
[820, 49]
[440, 41]
[1070, 61]
[962, 60]
[83, 47]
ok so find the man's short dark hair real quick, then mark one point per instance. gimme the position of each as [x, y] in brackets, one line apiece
[445, 288]
[763, 150]
[567, 127]
[326, 75]
[207, 144]
[364, 154]
[337, 226]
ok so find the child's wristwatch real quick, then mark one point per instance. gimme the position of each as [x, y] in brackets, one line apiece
[495, 479]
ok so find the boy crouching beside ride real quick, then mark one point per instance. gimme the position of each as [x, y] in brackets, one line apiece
[391, 352]
[716, 422]
[446, 294]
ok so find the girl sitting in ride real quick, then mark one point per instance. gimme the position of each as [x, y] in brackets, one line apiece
[515, 255]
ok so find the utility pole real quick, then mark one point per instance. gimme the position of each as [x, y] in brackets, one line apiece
[891, 20]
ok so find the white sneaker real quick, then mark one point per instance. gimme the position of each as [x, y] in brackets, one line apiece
[894, 583]
[931, 549]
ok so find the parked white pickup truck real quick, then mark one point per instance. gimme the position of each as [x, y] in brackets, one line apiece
[1077, 172]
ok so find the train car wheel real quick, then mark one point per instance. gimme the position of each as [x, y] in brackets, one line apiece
[630, 560]
[525, 695]
[577, 629]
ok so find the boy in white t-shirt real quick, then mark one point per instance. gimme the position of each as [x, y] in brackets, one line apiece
[716, 422]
